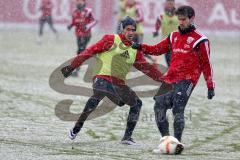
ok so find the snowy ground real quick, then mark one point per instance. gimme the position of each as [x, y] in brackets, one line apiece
[31, 130]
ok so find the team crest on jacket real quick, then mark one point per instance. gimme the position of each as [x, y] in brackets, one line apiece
[189, 40]
[175, 39]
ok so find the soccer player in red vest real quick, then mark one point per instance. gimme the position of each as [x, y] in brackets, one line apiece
[115, 57]
[190, 58]
[46, 17]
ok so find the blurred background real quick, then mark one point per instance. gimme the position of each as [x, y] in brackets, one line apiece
[212, 16]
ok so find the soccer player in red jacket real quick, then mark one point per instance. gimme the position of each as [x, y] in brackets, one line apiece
[46, 17]
[190, 57]
[83, 21]
[115, 57]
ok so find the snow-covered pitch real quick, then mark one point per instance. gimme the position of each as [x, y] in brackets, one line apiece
[31, 130]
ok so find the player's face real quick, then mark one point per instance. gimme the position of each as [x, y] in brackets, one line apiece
[129, 32]
[169, 5]
[130, 2]
[80, 2]
[184, 21]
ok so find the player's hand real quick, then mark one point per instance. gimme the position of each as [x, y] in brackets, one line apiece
[155, 34]
[86, 28]
[69, 27]
[136, 46]
[67, 71]
[211, 93]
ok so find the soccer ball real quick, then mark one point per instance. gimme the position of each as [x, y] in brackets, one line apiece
[169, 145]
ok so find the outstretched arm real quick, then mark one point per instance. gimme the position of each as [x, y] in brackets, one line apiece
[161, 48]
[101, 46]
[91, 21]
[149, 69]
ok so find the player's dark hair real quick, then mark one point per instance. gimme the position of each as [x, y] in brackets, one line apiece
[128, 21]
[187, 11]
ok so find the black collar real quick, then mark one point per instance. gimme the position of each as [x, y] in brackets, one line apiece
[187, 30]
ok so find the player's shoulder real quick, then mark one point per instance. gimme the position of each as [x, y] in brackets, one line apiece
[199, 37]
[88, 10]
[108, 37]
[138, 6]
[196, 33]
[161, 16]
[75, 12]
[174, 33]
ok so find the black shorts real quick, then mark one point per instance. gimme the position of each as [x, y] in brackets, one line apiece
[118, 94]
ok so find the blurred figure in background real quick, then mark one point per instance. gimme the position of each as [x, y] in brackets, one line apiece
[121, 14]
[83, 21]
[168, 23]
[46, 17]
[133, 9]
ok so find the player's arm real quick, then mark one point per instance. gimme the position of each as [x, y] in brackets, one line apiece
[157, 27]
[161, 48]
[91, 21]
[41, 7]
[101, 46]
[149, 69]
[139, 15]
[50, 5]
[72, 22]
[204, 53]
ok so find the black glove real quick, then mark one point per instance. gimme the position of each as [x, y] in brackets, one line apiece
[155, 34]
[67, 71]
[211, 93]
[69, 27]
[136, 46]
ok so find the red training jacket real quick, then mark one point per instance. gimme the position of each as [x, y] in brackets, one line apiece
[104, 45]
[83, 22]
[46, 8]
[190, 57]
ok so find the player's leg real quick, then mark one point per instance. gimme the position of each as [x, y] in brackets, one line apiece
[163, 101]
[99, 92]
[129, 97]
[41, 26]
[182, 92]
[90, 106]
[50, 23]
[82, 43]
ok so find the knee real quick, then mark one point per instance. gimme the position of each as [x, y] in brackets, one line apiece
[139, 103]
[120, 103]
[179, 118]
[135, 111]
[137, 106]
[179, 103]
[159, 101]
